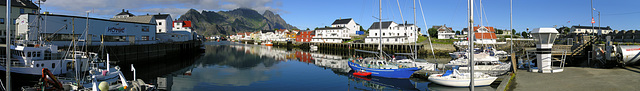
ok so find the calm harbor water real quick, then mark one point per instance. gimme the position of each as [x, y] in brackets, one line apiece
[227, 66]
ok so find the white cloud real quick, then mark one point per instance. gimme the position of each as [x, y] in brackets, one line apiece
[173, 7]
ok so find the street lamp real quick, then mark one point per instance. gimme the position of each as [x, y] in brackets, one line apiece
[599, 30]
[545, 37]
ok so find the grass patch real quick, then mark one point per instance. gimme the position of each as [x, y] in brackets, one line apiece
[443, 41]
[421, 39]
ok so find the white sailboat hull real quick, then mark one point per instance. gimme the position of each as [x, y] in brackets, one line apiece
[461, 82]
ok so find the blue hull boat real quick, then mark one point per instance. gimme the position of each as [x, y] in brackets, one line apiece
[388, 73]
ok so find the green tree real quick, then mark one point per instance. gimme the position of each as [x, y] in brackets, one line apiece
[362, 29]
[307, 28]
[433, 32]
[457, 32]
[513, 31]
[524, 34]
[499, 31]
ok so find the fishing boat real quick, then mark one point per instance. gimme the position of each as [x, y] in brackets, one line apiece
[29, 58]
[454, 78]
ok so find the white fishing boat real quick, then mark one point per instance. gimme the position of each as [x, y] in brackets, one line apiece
[454, 78]
[29, 59]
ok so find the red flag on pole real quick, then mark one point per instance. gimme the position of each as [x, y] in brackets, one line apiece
[592, 21]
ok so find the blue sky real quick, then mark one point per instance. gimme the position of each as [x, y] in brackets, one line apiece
[619, 14]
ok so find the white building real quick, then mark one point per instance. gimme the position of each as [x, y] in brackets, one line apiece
[18, 7]
[392, 33]
[485, 35]
[445, 32]
[340, 30]
[281, 35]
[331, 35]
[60, 29]
[590, 30]
[163, 22]
[348, 23]
[184, 27]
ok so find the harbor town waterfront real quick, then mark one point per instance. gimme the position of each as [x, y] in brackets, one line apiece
[328, 45]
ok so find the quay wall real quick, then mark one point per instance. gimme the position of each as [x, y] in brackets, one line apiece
[144, 53]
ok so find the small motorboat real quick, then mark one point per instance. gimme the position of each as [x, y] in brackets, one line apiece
[362, 73]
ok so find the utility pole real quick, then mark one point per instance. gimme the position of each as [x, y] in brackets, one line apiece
[7, 41]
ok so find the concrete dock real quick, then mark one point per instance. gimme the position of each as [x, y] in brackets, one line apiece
[579, 79]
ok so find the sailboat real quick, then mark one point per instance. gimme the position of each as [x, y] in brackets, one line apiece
[380, 67]
[470, 79]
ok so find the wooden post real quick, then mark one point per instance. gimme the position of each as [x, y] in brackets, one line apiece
[513, 62]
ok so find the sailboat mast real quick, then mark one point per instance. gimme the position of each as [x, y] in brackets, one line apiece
[380, 27]
[415, 32]
[470, 37]
[8, 47]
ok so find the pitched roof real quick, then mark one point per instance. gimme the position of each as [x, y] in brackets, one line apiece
[327, 28]
[161, 16]
[376, 25]
[138, 19]
[125, 13]
[341, 21]
[475, 28]
[20, 3]
[589, 27]
[266, 31]
[486, 36]
[281, 30]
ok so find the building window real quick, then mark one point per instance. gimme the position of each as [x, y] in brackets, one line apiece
[383, 34]
[34, 11]
[1, 20]
[376, 34]
[159, 30]
[145, 28]
[145, 38]
[159, 23]
[21, 10]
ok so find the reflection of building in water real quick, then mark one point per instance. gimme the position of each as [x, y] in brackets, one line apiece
[332, 61]
[304, 57]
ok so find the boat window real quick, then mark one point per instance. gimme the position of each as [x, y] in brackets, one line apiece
[38, 54]
[53, 65]
[28, 54]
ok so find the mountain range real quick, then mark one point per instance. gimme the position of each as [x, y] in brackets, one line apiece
[234, 21]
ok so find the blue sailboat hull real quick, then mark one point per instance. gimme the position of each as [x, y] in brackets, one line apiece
[388, 73]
